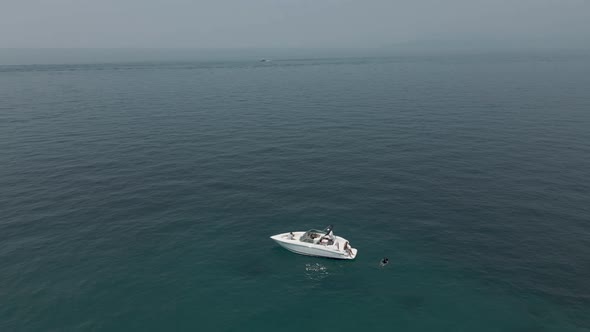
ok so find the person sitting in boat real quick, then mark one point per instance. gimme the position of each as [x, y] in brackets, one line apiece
[291, 236]
[327, 240]
[348, 248]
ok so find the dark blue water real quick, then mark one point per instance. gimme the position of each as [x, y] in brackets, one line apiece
[141, 197]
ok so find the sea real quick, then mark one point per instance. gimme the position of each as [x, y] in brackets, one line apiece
[141, 195]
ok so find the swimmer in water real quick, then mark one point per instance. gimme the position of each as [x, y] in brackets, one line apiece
[384, 262]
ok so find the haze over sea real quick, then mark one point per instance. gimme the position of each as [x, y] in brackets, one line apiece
[140, 196]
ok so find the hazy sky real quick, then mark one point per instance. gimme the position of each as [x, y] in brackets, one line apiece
[289, 23]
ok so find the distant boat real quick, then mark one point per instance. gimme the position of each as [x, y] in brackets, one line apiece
[264, 60]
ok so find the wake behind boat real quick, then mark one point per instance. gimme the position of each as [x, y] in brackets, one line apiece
[316, 243]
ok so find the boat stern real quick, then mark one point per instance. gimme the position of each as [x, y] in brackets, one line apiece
[352, 254]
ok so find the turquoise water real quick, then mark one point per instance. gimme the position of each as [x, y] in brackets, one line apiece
[141, 196]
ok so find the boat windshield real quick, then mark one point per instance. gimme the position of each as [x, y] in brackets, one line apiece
[311, 235]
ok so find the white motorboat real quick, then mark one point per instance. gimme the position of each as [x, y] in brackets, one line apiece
[316, 243]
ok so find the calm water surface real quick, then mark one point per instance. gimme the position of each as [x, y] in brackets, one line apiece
[141, 197]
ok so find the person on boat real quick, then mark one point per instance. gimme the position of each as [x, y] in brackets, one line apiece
[291, 236]
[348, 248]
